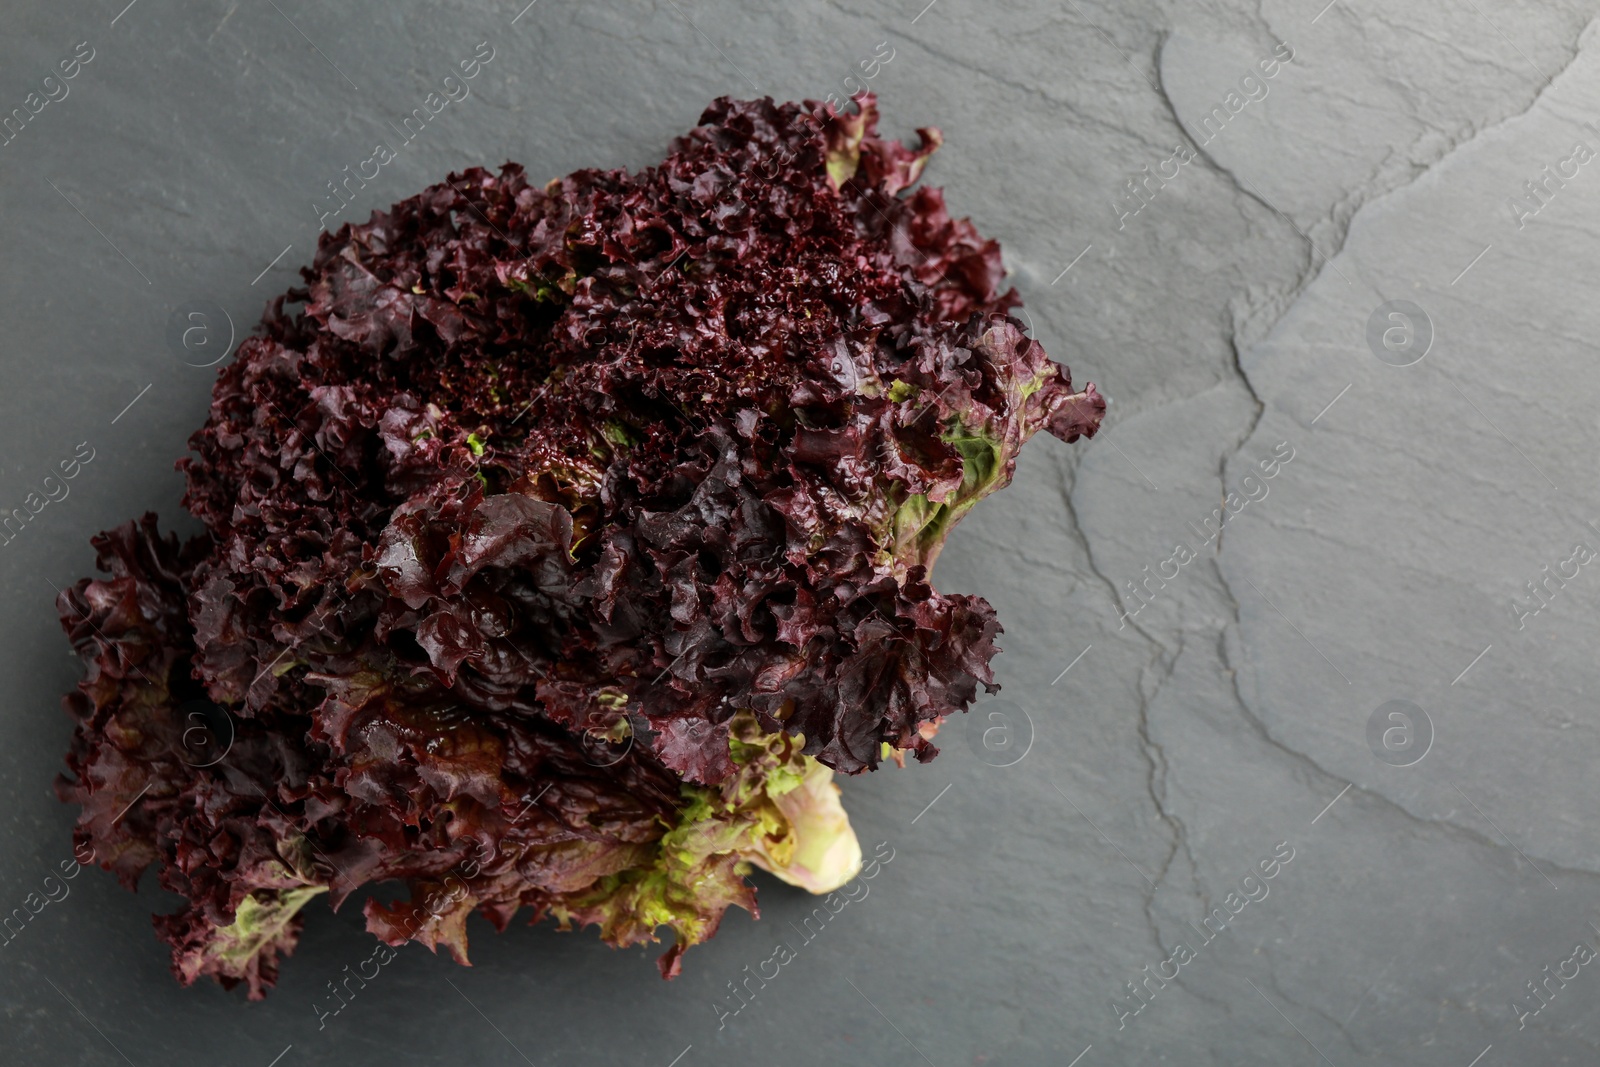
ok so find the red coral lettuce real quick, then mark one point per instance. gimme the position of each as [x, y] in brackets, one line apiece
[559, 537]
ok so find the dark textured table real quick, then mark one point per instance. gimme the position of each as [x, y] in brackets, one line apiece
[1296, 747]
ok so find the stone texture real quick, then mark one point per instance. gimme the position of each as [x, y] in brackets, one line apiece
[1185, 744]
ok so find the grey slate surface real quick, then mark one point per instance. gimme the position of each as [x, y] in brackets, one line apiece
[1185, 744]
